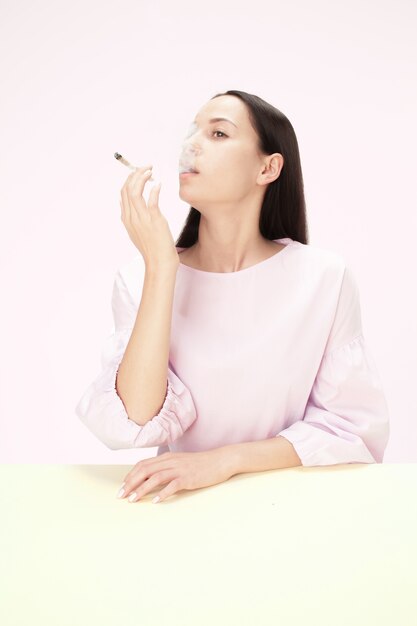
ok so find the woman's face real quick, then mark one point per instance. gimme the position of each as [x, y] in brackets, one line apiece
[224, 153]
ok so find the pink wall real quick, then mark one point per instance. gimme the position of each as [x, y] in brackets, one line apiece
[83, 80]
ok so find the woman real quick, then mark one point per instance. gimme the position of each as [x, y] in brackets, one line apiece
[245, 351]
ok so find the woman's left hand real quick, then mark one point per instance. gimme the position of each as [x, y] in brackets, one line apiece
[181, 470]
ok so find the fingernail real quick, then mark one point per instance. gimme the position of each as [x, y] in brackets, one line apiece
[132, 497]
[121, 491]
[156, 499]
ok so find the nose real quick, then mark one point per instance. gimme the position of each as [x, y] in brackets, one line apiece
[189, 152]
[189, 147]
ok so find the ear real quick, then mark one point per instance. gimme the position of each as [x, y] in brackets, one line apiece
[273, 167]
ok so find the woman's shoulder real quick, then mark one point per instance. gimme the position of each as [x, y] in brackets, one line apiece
[319, 258]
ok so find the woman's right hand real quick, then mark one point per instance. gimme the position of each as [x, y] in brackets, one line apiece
[147, 227]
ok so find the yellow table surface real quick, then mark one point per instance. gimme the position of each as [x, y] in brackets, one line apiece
[331, 546]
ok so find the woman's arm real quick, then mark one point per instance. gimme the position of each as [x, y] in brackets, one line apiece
[260, 456]
[141, 380]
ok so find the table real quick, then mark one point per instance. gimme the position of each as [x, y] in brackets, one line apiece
[330, 545]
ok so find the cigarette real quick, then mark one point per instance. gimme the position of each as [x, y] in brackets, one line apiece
[126, 162]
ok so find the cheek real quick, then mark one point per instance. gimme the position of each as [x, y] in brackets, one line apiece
[231, 176]
[241, 160]
[240, 172]
[232, 164]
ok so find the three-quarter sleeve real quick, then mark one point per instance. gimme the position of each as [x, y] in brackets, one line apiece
[346, 419]
[101, 409]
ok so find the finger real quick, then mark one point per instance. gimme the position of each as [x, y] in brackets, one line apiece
[131, 179]
[127, 198]
[136, 172]
[127, 205]
[137, 184]
[169, 490]
[142, 471]
[137, 468]
[153, 461]
[127, 209]
[153, 482]
[132, 486]
[135, 192]
[153, 200]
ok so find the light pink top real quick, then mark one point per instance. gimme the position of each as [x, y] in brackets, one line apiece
[273, 349]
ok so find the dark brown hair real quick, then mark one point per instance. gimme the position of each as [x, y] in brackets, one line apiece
[283, 211]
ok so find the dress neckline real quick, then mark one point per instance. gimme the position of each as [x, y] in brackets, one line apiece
[275, 257]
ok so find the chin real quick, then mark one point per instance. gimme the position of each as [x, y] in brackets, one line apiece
[185, 195]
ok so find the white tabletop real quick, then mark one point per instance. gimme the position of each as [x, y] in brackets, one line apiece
[325, 546]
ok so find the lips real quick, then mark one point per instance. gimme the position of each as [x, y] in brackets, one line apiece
[188, 171]
[187, 174]
[186, 167]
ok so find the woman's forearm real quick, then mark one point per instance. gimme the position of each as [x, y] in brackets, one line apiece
[141, 380]
[260, 456]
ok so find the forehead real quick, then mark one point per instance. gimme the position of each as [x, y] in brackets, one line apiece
[228, 107]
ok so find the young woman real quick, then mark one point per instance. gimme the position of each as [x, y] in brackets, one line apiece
[245, 351]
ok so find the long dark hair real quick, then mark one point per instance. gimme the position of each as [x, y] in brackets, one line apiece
[283, 211]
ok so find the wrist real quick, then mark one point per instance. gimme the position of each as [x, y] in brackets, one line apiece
[164, 269]
[229, 458]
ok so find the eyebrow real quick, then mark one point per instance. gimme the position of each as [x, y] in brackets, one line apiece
[219, 119]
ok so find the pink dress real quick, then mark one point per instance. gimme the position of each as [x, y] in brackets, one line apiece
[273, 349]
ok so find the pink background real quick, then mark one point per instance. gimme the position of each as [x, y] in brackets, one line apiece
[82, 80]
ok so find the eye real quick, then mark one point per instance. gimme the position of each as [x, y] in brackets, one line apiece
[221, 132]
